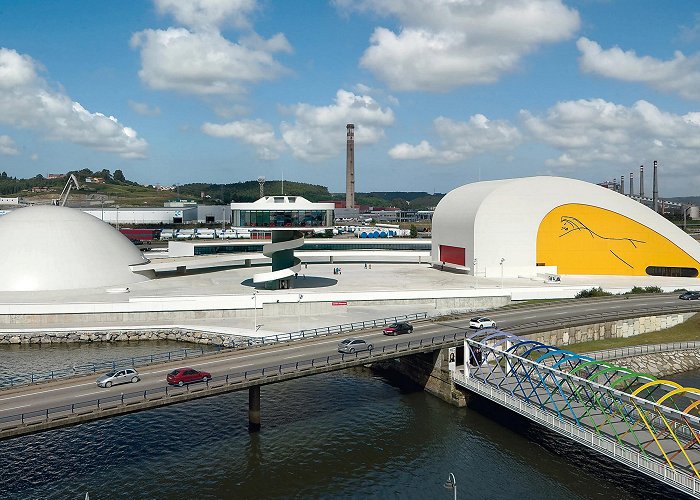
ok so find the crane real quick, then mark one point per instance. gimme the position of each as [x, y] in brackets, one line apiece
[72, 182]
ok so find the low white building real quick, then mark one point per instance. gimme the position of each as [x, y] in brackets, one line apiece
[12, 201]
[151, 215]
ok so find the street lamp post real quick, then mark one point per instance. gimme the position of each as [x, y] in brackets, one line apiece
[502, 261]
[685, 213]
[476, 273]
[117, 217]
[451, 484]
[299, 312]
[255, 311]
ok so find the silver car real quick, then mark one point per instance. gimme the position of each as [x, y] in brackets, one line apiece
[115, 377]
[351, 346]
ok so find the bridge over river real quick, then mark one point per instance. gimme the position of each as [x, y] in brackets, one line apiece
[650, 425]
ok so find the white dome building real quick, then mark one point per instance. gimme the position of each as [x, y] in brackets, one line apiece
[59, 248]
[556, 225]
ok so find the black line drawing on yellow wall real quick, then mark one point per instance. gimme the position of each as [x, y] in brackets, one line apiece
[570, 225]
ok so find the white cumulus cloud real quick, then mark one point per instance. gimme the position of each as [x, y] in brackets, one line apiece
[27, 101]
[256, 133]
[207, 14]
[680, 75]
[589, 132]
[197, 59]
[445, 44]
[318, 132]
[461, 140]
[7, 146]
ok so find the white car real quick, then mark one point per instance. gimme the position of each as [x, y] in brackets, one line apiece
[351, 346]
[483, 322]
[123, 376]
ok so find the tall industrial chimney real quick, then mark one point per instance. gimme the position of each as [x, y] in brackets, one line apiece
[641, 181]
[622, 184]
[631, 183]
[655, 195]
[350, 168]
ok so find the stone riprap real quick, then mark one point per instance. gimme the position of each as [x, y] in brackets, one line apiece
[116, 335]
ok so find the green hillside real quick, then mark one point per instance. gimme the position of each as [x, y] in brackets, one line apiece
[116, 189]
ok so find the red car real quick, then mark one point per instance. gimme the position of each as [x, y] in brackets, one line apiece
[183, 376]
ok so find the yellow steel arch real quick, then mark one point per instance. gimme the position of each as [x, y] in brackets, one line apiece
[657, 382]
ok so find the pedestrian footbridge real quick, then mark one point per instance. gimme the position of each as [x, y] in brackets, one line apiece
[650, 425]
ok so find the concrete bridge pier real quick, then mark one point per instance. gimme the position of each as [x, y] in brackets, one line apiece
[431, 371]
[254, 409]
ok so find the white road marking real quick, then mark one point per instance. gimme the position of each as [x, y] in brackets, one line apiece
[15, 407]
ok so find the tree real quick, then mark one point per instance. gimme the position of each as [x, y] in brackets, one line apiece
[414, 231]
[119, 176]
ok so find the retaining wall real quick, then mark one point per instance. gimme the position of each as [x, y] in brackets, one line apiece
[609, 329]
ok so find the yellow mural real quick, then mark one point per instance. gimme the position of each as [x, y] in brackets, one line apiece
[582, 239]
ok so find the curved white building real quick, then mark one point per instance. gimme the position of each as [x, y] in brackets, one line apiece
[556, 225]
[59, 248]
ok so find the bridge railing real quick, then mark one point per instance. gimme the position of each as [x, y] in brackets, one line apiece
[603, 444]
[625, 352]
[332, 330]
[595, 317]
[660, 433]
[231, 380]
[188, 353]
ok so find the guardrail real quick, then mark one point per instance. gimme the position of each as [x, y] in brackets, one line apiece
[90, 409]
[95, 366]
[639, 350]
[597, 317]
[147, 359]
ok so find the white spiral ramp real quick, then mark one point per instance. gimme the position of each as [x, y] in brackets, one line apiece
[270, 249]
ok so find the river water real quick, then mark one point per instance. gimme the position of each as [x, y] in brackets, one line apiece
[349, 434]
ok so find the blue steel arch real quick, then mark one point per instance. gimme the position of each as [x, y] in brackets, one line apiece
[513, 348]
[580, 357]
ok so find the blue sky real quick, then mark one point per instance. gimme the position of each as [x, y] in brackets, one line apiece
[442, 92]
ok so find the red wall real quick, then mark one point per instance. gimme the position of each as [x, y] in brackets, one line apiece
[452, 255]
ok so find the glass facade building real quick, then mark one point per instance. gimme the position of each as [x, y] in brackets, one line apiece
[283, 218]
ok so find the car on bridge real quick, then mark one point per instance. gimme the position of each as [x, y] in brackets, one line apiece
[398, 328]
[352, 345]
[182, 376]
[116, 377]
[690, 295]
[482, 322]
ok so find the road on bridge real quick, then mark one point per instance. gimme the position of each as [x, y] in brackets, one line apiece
[524, 318]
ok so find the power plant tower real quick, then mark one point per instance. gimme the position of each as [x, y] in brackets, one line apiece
[641, 181]
[631, 183]
[655, 195]
[350, 168]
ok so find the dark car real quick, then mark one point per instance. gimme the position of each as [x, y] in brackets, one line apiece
[183, 376]
[398, 329]
[689, 295]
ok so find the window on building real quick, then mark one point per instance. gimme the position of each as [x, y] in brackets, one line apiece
[675, 272]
